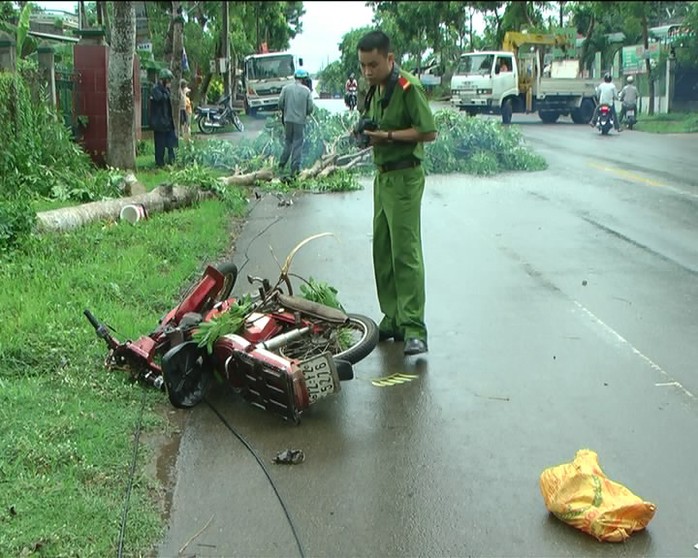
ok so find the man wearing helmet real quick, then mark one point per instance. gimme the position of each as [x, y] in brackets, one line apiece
[295, 104]
[351, 88]
[628, 96]
[606, 93]
[161, 120]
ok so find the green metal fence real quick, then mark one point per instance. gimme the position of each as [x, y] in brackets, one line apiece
[66, 92]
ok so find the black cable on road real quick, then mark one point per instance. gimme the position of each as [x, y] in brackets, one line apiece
[266, 472]
[132, 473]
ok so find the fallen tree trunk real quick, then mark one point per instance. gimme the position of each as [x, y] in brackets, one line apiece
[163, 198]
[248, 179]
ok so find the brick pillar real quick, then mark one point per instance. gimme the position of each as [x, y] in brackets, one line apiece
[8, 51]
[91, 61]
[47, 67]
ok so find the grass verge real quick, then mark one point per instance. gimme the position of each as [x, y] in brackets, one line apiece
[67, 425]
[672, 123]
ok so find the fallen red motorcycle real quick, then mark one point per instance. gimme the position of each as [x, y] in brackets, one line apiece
[286, 353]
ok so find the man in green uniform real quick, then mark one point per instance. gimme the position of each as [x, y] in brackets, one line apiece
[397, 104]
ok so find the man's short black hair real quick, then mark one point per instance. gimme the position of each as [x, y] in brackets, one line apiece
[375, 40]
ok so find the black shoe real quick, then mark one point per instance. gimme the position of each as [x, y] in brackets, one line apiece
[415, 346]
[385, 335]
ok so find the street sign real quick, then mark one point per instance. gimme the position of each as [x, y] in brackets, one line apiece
[634, 58]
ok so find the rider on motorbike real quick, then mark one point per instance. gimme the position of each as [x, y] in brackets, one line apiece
[606, 92]
[628, 96]
[351, 87]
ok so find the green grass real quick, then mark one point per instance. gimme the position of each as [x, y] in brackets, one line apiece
[673, 123]
[66, 424]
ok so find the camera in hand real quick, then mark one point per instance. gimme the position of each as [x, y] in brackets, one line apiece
[363, 125]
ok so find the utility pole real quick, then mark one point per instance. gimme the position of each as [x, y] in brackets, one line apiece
[226, 48]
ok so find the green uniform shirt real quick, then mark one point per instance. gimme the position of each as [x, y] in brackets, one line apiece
[408, 108]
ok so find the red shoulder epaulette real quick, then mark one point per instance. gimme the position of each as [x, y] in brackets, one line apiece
[404, 83]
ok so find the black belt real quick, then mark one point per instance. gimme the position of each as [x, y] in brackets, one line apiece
[397, 165]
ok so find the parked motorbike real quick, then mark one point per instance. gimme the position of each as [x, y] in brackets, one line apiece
[628, 116]
[210, 119]
[605, 119]
[350, 100]
[288, 354]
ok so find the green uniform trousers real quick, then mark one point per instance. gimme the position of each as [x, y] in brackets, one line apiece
[397, 251]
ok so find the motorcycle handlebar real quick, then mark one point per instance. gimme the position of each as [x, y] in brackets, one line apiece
[101, 329]
[91, 318]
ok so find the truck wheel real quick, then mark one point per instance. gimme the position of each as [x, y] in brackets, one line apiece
[250, 111]
[576, 115]
[507, 110]
[549, 116]
[583, 114]
[472, 113]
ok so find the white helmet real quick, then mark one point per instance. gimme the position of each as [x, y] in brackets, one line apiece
[630, 79]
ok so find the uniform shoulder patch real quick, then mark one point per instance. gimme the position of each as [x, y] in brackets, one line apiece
[404, 83]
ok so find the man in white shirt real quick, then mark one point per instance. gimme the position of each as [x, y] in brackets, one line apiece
[606, 93]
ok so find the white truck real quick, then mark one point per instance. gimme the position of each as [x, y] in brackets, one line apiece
[263, 77]
[519, 80]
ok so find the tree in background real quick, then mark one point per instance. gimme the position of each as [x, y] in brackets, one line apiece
[121, 141]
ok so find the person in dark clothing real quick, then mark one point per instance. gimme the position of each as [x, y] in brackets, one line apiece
[161, 121]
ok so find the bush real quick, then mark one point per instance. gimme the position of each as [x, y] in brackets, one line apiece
[39, 158]
[477, 146]
[17, 219]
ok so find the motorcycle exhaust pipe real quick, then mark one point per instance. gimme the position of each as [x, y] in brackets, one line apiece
[285, 338]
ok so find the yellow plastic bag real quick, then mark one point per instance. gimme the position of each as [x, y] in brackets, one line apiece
[579, 494]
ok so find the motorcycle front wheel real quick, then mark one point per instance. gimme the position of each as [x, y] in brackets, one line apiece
[352, 342]
[238, 123]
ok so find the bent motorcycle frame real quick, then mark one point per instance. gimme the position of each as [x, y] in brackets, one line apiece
[266, 379]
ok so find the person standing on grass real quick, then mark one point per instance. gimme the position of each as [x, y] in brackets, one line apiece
[161, 121]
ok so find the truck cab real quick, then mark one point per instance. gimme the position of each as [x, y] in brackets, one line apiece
[263, 78]
[523, 77]
[482, 79]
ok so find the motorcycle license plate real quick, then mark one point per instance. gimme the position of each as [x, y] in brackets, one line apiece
[631, 113]
[321, 379]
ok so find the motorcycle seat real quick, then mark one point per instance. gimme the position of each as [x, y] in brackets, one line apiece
[312, 309]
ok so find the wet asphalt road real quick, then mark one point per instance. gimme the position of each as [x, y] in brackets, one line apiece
[563, 314]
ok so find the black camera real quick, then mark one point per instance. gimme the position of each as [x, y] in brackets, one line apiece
[363, 125]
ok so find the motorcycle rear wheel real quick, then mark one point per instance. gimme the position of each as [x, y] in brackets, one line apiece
[335, 339]
[205, 126]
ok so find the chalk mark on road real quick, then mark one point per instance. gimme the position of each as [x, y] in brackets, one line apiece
[635, 350]
[538, 276]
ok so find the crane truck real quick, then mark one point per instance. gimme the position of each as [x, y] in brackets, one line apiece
[523, 80]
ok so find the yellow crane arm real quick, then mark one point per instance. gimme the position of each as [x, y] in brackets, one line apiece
[513, 40]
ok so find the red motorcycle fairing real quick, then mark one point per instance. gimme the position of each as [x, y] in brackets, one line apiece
[265, 379]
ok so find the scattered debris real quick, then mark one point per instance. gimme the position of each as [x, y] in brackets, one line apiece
[289, 457]
[186, 544]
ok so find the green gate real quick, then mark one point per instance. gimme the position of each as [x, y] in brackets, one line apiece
[66, 92]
